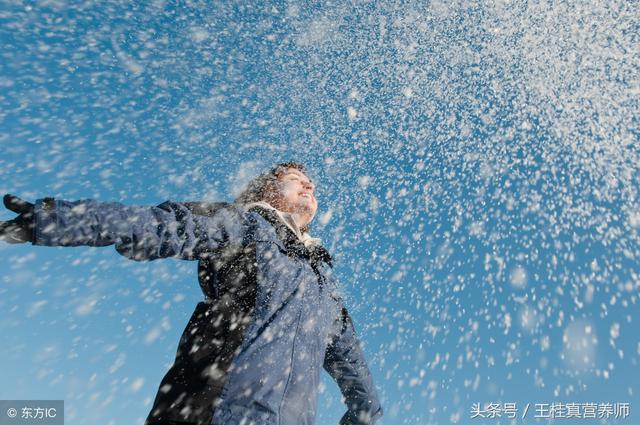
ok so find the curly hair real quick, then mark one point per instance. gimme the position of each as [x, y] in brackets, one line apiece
[261, 186]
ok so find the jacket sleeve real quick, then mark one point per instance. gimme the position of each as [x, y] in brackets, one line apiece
[139, 233]
[345, 362]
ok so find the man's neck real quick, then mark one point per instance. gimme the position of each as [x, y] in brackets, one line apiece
[298, 219]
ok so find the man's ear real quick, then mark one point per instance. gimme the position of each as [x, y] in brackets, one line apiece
[271, 194]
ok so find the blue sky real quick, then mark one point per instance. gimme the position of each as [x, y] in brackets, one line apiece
[477, 179]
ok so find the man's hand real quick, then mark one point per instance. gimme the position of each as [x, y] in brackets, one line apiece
[20, 229]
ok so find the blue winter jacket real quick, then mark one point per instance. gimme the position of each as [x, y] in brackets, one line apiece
[271, 319]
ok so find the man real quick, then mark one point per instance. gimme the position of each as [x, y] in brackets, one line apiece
[272, 316]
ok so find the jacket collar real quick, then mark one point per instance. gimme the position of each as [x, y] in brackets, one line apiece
[288, 220]
[296, 243]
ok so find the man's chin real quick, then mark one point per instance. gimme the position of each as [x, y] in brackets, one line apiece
[306, 214]
[304, 208]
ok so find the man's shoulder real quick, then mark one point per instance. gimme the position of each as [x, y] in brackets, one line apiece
[208, 209]
[201, 208]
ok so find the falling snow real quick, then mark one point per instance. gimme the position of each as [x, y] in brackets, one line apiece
[476, 163]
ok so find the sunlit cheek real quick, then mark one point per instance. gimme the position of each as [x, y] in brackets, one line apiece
[288, 192]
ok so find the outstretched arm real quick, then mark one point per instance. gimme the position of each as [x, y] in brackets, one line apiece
[139, 233]
[20, 228]
[345, 362]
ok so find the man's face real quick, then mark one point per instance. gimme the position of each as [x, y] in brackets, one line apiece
[295, 194]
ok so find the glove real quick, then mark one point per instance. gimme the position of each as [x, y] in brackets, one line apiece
[20, 229]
